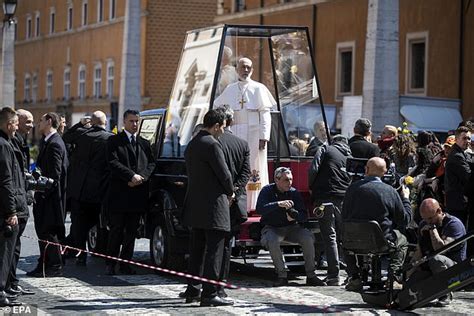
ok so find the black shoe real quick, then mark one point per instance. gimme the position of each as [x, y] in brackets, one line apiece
[127, 270]
[216, 301]
[190, 296]
[35, 271]
[20, 290]
[110, 270]
[315, 281]
[444, 300]
[281, 282]
[11, 297]
[4, 302]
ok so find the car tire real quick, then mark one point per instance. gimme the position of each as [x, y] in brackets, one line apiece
[97, 239]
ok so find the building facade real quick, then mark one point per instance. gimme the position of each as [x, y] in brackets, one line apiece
[68, 52]
[436, 48]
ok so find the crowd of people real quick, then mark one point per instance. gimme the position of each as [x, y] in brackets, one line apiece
[84, 170]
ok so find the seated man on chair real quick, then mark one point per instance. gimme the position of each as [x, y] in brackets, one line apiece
[371, 199]
[282, 210]
[437, 229]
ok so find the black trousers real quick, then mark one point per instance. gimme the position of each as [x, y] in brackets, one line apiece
[83, 217]
[7, 249]
[123, 230]
[50, 254]
[206, 255]
[12, 278]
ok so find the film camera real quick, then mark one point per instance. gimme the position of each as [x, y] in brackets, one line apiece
[35, 181]
[356, 168]
[293, 213]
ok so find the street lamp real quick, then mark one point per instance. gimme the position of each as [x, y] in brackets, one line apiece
[9, 8]
[7, 66]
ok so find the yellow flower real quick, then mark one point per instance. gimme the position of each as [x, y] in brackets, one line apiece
[409, 180]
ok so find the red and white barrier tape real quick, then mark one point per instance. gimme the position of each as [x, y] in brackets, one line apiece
[64, 248]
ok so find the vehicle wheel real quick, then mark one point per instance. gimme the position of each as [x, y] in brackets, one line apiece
[163, 253]
[97, 240]
[158, 247]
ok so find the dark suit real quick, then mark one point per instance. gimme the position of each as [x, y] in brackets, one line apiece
[49, 209]
[236, 154]
[126, 204]
[88, 179]
[22, 153]
[361, 148]
[12, 202]
[206, 207]
[456, 183]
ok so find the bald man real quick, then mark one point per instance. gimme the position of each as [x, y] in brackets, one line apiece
[25, 125]
[437, 229]
[88, 176]
[370, 199]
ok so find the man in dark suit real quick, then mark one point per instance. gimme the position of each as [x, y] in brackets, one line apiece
[360, 144]
[236, 154]
[131, 164]
[88, 178]
[49, 208]
[206, 206]
[12, 198]
[22, 152]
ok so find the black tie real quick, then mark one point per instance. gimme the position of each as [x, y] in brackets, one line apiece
[134, 143]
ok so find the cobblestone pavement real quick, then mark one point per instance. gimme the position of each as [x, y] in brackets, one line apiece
[87, 291]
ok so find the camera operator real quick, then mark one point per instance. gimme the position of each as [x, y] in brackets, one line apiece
[282, 209]
[437, 229]
[371, 199]
[12, 198]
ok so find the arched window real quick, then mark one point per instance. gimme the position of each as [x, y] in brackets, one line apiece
[81, 89]
[110, 79]
[98, 80]
[67, 83]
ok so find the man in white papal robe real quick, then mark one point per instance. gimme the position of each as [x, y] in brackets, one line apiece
[252, 103]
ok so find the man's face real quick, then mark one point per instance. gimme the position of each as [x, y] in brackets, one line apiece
[284, 182]
[62, 124]
[44, 125]
[432, 216]
[25, 123]
[12, 126]
[244, 69]
[463, 140]
[130, 123]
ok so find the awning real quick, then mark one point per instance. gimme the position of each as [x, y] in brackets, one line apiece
[431, 118]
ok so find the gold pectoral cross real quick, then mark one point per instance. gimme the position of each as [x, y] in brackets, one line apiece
[242, 102]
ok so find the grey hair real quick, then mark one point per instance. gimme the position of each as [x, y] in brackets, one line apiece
[280, 171]
[229, 113]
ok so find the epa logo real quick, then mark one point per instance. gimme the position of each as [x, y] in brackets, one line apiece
[21, 309]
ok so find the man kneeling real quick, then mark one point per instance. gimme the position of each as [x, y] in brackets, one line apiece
[282, 209]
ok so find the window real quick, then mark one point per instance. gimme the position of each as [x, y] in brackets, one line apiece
[110, 79]
[67, 84]
[37, 24]
[34, 87]
[28, 26]
[84, 12]
[82, 82]
[69, 17]
[416, 63]
[344, 69]
[239, 5]
[49, 85]
[15, 30]
[98, 81]
[27, 87]
[112, 9]
[100, 10]
[52, 20]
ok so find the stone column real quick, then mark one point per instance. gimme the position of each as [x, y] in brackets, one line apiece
[7, 67]
[130, 77]
[381, 85]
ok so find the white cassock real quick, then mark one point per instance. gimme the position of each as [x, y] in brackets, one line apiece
[252, 103]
